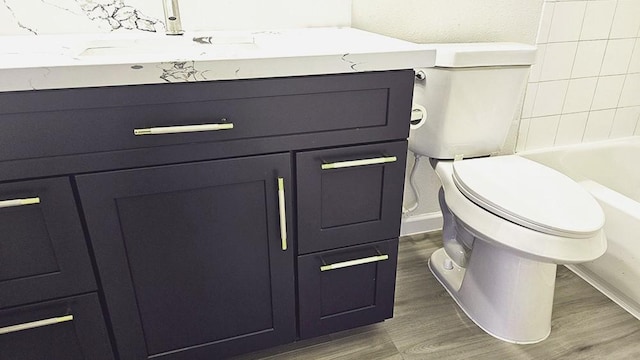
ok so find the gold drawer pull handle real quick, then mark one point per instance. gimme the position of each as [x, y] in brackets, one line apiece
[354, 262]
[35, 324]
[362, 162]
[19, 202]
[283, 214]
[183, 129]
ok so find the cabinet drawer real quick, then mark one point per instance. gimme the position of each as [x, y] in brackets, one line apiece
[349, 196]
[69, 329]
[43, 253]
[367, 107]
[346, 288]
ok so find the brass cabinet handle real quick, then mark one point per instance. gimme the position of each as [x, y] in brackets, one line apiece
[35, 324]
[361, 162]
[182, 129]
[19, 202]
[283, 213]
[355, 262]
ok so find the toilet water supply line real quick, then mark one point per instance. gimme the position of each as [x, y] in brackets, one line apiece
[413, 186]
[419, 76]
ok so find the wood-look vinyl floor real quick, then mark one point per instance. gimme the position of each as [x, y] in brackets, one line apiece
[427, 324]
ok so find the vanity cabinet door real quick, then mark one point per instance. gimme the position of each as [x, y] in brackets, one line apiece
[350, 195]
[68, 329]
[43, 253]
[346, 288]
[192, 258]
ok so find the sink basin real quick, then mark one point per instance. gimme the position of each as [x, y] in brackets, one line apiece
[184, 45]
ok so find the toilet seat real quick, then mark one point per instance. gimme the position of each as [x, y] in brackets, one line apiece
[529, 194]
[527, 242]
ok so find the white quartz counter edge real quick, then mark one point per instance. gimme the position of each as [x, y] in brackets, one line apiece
[53, 62]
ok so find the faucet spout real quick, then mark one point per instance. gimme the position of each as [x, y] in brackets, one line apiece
[172, 21]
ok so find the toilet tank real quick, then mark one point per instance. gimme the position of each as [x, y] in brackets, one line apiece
[466, 104]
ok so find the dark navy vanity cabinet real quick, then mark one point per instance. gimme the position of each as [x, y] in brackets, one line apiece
[49, 307]
[199, 220]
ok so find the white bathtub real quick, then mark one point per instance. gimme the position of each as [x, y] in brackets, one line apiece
[610, 170]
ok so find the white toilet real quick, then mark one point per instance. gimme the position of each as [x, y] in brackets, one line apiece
[507, 220]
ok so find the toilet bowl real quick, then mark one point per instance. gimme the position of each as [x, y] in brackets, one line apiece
[507, 284]
[508, 221]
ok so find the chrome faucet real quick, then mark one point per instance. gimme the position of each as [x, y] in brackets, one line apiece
[172, 17]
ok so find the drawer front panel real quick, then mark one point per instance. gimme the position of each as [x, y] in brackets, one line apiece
[43, 253]
[349, 196]
[70, 329]
[370, 106]
[346, 288]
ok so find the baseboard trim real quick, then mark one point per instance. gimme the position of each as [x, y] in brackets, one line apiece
[421, 223]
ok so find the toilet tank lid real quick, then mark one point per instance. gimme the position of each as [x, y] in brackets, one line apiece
[484, 54]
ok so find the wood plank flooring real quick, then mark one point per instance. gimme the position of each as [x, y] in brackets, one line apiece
[427, 324]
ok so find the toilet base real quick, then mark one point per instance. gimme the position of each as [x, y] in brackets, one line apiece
[507, 296]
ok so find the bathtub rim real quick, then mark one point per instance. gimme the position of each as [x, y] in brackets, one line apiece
[551, 155]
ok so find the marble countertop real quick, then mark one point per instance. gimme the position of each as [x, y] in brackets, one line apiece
[73, 61]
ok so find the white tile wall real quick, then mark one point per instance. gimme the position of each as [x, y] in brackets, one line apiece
[634, 65]
[545, 21]
[579, 95]
[599, 16]
[599, 125]
[631, 91]
[558, 61]
[617, 57]
[626, 20]
[550, 98]
[566, 22]
[625, 121]
[542, 132]
[571, 128]
[608, 92]
[585, 85]
[588, 59]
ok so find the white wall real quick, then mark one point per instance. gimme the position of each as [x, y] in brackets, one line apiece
[586, 85]
[31, 17]
[437, 21]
